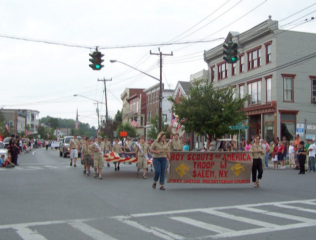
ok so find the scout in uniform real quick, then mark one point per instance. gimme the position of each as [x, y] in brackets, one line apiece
[86, 157]
[175, 145]
[258, 152]
[117, 149]
[141, 153]
[82, 142]
[107, 144]
[74, 146]
[98, 157]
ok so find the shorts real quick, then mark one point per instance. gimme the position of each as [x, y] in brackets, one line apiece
[142, 162]
[87, 160]
[280, 156]
[73, 153]
[98, 162]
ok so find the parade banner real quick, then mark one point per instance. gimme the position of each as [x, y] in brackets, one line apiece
[210, 167]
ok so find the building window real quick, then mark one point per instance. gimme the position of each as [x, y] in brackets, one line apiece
[254, 92]
[241, 63]
[148, 116]
[254, 59]
[234, 88]
[212, 73]
[148, 100]
[141, 121]
[137, 106]
[288, 87]
[268, 88]
[268, 52]
[313, 79]
[268, 127]
[288, 122]
[241, 91]
[234, 69]
[222, 71]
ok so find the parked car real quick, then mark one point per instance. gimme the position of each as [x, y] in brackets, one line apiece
[3, 150]
[6, 141]
[64, 146]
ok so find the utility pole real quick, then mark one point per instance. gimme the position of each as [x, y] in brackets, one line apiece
[106, 101]
[160, 87]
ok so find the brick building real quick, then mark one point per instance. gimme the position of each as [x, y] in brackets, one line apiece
[276, 68]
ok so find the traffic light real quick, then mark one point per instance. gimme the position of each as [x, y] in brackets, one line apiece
[96, 60]
[231, 52]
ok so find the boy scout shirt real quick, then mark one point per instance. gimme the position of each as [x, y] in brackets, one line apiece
[94, 146]
[107, 146]
[145, 149]
[74, 143]
[176, 145]
[86, 150]
[158, 147]
[258, 147]
[117, 148]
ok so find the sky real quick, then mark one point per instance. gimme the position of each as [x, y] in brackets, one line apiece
[45, 46]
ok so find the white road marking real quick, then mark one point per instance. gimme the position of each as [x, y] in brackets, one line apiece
[203, 225]
[295, 208]
[90, 231]
[240, 219]
[34, 152]
[28, 234]
[48, 166]
[153, 230]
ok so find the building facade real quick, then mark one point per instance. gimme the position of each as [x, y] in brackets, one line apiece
[276, 72]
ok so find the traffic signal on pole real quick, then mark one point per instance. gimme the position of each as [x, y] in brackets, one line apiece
[96, 60]
[230, 52]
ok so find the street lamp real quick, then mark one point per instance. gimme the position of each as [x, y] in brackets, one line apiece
[96, 101]
[160, 88]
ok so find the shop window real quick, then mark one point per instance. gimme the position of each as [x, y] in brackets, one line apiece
[268, 89]
[313, 79]
[288, 121]
[268, 127]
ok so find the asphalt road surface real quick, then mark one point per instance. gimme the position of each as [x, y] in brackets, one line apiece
[44, 198]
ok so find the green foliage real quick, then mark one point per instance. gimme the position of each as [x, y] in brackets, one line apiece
[3, 130]
[208, 111]
[126, 127]
[153, 131]
[118, 116]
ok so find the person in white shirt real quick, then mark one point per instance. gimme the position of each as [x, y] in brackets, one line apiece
[291, 154]
[311, 154]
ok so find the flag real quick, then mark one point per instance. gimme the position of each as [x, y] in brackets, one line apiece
[178, 127]
[134, 123]
[7, 126]
[174, 120]
[124, 157]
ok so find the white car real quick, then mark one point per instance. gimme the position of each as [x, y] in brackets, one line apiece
[3, 150]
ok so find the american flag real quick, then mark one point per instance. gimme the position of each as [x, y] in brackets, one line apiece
[174, 119]
[134, 123]
[124, 157]
[7, 126]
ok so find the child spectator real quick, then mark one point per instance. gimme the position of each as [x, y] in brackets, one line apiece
[291, 154]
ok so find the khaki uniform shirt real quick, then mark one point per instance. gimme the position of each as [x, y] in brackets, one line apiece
[93, 147]
[86, 150]
[117, 148]
[176, 145]
[74, 143]
[144, 148]
[160, 146]
[102, 146]
[258, 147]
[107, 146]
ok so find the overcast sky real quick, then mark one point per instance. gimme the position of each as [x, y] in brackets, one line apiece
[45, 77]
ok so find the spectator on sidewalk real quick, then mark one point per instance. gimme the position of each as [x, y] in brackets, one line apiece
[291, 154]
[311, 156]
[301, 156]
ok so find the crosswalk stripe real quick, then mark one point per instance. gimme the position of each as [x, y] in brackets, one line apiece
[295, 208]
[153, 230]
[240, 219]
[90, 231]
[48, 166]
[199, 224]
[28, 234]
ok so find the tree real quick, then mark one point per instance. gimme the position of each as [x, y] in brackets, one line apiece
[153, 131]
[118, 116]
[126, 127]
[208, 111]
[3, 131]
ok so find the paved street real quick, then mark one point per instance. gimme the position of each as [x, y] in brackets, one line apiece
[45, 198]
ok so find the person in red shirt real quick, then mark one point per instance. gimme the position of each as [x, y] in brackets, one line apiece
[281, 149]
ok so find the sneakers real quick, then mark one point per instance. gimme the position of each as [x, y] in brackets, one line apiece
[108, 165]
[95, 175]
[115, 169]
[100, 177]
[144, 176]
[75, 165]
[88, 174]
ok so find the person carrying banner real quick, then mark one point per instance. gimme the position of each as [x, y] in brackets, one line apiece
[258, 152]
[107, 144]
[175, 145]
[117, 149]
[86, 156]
[98, 157]
[160, 150]
[141, 153]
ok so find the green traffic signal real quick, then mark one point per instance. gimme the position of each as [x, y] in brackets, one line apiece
[96, 60]
[230, 52]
